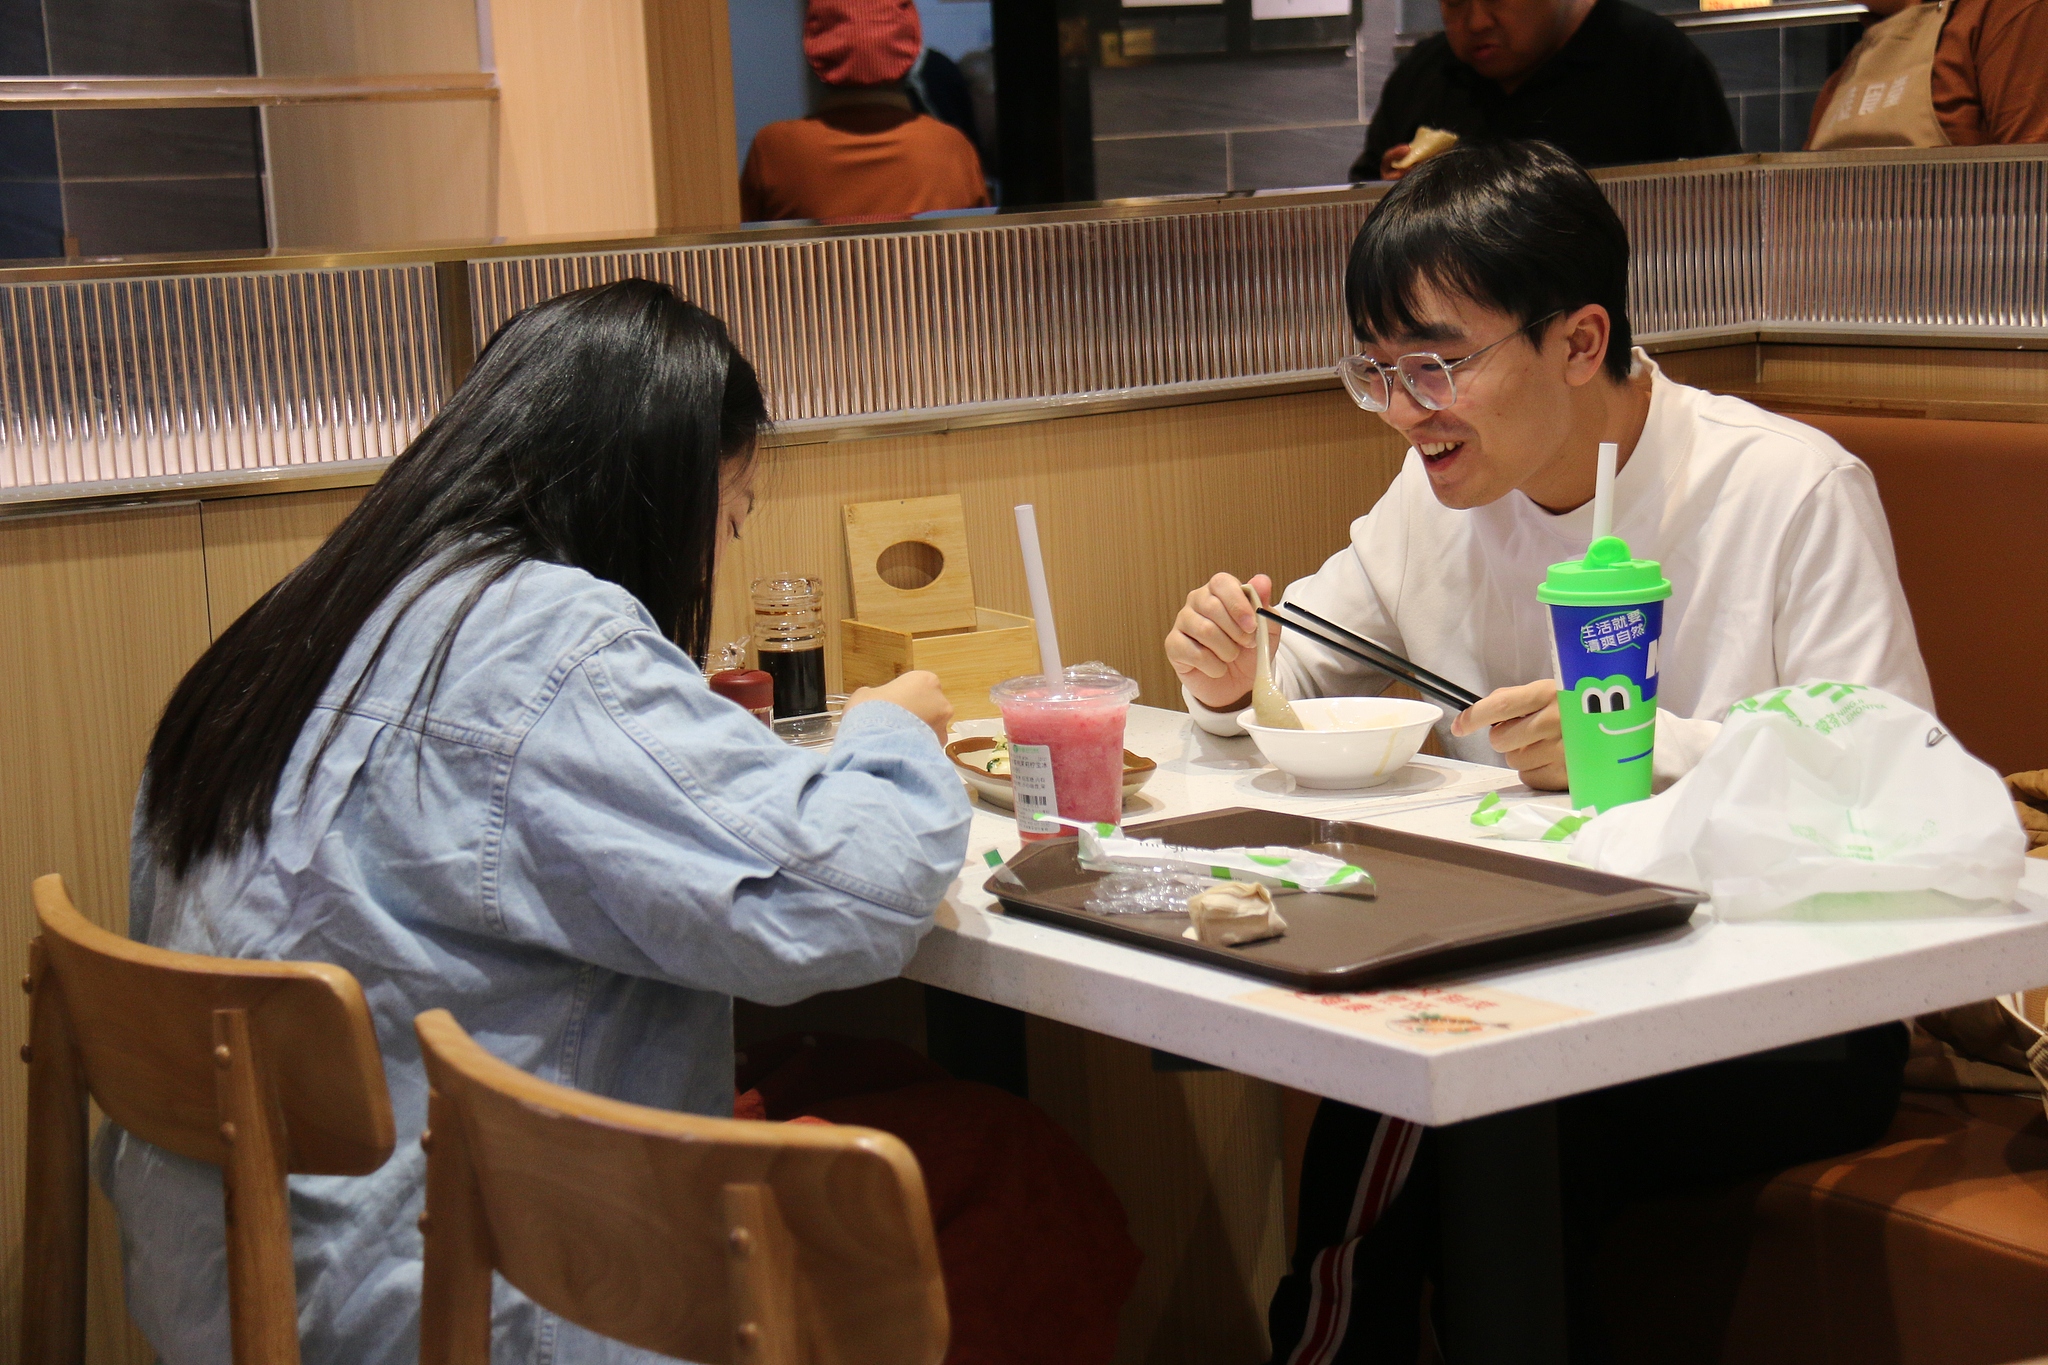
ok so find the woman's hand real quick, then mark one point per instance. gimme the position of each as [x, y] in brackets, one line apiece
[1210, 645]
[917, 692]
[1525, 730]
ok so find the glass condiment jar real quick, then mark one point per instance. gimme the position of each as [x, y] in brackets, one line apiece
[789, 642]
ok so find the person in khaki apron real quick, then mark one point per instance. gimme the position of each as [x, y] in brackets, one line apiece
[1884, 96]
[1963, 72]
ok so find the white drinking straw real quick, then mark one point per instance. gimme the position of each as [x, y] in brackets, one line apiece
[1041, 600]
[1603, 490]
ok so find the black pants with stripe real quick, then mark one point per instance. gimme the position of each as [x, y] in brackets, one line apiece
[1367, 1234]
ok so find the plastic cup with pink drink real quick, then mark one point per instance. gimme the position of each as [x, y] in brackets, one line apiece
[1066, 745]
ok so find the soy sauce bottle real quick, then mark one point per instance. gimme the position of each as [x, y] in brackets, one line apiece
[789, 640]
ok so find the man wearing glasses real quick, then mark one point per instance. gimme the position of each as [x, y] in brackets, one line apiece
[1489, 290]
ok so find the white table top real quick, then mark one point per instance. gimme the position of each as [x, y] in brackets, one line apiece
[1699, 994]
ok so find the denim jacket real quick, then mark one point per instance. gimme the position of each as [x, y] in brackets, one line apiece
[583, 853]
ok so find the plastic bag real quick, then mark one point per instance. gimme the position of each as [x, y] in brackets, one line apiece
[1825, 800]
[1160, 889]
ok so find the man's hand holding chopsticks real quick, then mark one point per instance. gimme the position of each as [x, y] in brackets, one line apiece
[1524, 729]
[1210, 645]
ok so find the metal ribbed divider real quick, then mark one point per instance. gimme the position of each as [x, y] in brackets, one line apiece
[106, 382]
[114, 380]
[895, 322]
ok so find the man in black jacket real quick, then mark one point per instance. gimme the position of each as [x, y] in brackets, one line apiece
[1602, 80]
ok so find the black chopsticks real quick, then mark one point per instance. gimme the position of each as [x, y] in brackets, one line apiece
[1366, 652]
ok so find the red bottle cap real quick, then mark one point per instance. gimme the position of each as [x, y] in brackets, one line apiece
[749, 687]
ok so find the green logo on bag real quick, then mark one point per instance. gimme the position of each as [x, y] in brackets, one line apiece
[1793, 703]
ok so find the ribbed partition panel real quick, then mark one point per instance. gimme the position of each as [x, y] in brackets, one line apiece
[115, 380]
[847, 326]
[1696, 251]
[108, 381]
[1955, 244]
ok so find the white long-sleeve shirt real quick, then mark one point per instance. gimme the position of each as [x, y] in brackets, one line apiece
[1771, 534]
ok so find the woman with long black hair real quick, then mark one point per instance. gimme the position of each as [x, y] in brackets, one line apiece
[463, 752]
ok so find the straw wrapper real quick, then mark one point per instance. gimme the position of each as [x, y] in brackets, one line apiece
[1105, 848]
[1533, 821]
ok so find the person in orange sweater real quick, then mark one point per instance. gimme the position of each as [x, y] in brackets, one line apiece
[865, 154]
[1968, 73]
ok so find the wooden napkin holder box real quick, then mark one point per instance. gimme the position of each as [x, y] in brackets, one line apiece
[913, 604]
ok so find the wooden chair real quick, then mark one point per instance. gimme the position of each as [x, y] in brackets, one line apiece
[715, 1240]
[260, 1068]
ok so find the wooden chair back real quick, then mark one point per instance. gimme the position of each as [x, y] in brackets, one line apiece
[261, 1068]
[715, 1240]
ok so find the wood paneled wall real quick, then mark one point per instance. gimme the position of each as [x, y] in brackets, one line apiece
[364, 175]
[616, 117]
[377, 175]
[576, 153]
[104, 613]
[253, 542]
[613, 118]
[107, 610]
[1963, 383]
[690, 113]
[365, 37]
[1134, 509]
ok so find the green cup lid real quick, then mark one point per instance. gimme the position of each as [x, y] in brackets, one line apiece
[1606, 577]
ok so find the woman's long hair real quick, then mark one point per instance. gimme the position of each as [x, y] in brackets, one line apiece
[594, 432]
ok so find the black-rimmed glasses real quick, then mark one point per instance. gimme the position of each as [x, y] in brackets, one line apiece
[1425, 374]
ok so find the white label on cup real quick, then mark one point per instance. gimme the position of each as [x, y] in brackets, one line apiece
[1031, 782]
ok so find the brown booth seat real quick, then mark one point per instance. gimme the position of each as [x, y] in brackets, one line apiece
[1928, 1249]
[1968, 506]
[1931, 1248]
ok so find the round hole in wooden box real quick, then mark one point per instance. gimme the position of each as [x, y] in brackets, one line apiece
[910, 564]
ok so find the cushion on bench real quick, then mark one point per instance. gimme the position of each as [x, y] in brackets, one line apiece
[1928, 1249]
[1967, 503]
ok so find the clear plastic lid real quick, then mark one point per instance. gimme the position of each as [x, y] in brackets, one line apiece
[1090, 682]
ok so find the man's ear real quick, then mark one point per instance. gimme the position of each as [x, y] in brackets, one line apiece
[1587, 332]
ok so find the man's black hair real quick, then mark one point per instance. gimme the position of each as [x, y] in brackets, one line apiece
[1515, 226]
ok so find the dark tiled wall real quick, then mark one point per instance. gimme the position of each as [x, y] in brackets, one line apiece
[1250, 123]
[24, 51]
[143, 180]
[1772, 77]
[149, 37]
[1271, 120]
[126, 182]
[31, 195]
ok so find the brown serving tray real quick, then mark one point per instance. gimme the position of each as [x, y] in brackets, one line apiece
[1442, 905]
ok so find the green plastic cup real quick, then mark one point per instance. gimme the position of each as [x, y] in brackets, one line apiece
[1606, 617]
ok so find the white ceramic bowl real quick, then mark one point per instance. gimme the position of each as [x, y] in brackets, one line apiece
[1348, 742]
